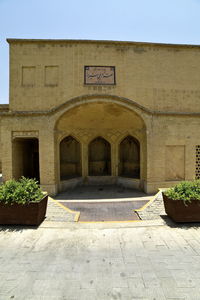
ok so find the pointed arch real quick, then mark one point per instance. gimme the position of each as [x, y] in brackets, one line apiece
[70, 158]
[99, 157]
[129, 157]
[129, 104]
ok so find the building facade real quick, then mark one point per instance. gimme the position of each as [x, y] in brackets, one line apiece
[90, 112]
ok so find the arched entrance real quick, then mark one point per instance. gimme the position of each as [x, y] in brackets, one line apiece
[129, 158]
[25, 152]
[107, 132]
[99, 157]
[70, 158]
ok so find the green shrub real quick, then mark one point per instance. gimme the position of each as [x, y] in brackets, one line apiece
[23, 191]
[185, 191]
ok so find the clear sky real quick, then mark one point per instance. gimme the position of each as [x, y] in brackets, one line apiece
[165, 21]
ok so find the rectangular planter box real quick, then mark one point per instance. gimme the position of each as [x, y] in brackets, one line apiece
[178, 212]
[28, 214]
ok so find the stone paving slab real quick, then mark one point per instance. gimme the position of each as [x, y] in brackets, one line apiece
[96, 262]
[105, 225]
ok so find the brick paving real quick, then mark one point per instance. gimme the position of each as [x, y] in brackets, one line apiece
[107, 211]
[78, 200]
[56, 213]
[113, 211]
[154, 211]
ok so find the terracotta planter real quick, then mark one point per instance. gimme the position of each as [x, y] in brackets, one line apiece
[178, 212]
[28, 214]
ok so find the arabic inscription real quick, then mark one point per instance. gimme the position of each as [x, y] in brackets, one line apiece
[99, 75]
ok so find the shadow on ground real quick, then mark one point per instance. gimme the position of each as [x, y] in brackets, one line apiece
[169, 222]
[16, 228]
[99, 192]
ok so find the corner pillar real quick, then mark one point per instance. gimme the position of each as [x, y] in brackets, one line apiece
[47, 159]
[6, 155]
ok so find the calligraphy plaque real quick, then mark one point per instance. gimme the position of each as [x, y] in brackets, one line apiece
[99, 75]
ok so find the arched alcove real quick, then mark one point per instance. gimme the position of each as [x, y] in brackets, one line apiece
[99, 157]
[70, 158]
[129, 157]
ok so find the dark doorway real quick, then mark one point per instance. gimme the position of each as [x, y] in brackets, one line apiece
[70, 158]
[26, 158]
[129, 154]
[99, 157]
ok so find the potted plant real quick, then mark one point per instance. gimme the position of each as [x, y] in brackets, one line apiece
[182, 202]
[22, 202]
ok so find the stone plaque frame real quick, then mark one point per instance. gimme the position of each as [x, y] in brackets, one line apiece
[25, 134]
[99, 75]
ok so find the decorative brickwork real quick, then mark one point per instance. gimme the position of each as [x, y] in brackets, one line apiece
[197, 162]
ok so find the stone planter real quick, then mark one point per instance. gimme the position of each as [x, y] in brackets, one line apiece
[179, 212]
[28, 214]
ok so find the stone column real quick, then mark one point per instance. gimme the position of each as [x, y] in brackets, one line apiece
[114, 160]
[84, 159]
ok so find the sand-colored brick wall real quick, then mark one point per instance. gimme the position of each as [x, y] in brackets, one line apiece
[44, 74]
[156, 100]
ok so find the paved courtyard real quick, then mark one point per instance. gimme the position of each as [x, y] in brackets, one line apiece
[150, 259]
[74, 261]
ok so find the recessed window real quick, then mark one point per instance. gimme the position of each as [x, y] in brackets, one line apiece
[51, 75]
[28, 76]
